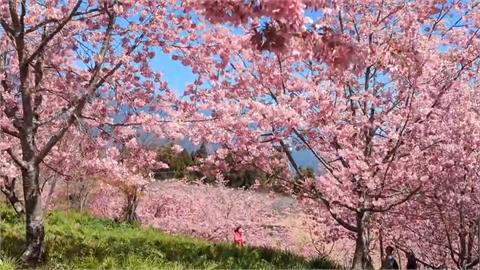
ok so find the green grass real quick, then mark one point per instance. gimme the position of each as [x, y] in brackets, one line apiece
[80, 241]
[7, 263]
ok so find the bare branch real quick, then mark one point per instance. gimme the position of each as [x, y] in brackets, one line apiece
[40, 25]
[8, 189]
[55, 170]
[392, 205]
[290, 158]
[318, 157]
[473, 263]
[10, 132]
[17, 160]
[6, 27]
[12, 6]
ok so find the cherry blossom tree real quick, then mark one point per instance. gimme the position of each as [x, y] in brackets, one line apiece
[443, 229]
[130, 180]
[79, 64]
[117, 195]
[361, 90]
[96, 167]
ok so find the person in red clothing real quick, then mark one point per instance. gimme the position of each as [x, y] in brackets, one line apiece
[238, 238]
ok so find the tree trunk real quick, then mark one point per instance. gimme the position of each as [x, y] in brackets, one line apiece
[130, 212]
[380, 236]
[361, 258]
[35, 249]
[84, 200]
[78, 199]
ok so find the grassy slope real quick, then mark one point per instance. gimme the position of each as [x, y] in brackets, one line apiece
[77, 240]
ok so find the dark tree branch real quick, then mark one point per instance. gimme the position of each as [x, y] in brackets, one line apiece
[50, 36]
[40, 25]
[6, 27]
[12, 5]
[8, 189]
[17, 160]
[392, 205]
[10, 132]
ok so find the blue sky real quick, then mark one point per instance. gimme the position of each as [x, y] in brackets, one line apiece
[175, 73]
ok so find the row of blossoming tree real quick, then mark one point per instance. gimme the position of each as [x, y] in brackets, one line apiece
[382, 93]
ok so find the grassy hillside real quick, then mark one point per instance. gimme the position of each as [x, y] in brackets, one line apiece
[79, 241]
